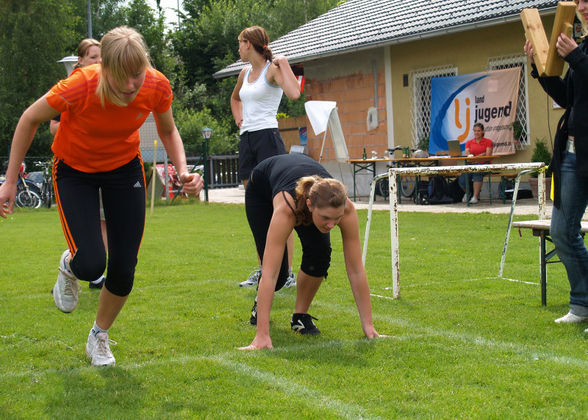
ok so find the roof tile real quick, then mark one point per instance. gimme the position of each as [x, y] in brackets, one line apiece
[358, 24]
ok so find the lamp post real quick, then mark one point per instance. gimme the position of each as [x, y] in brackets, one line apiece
[69, 62]
[206, 133]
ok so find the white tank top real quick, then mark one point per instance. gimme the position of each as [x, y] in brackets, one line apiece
[260, 101]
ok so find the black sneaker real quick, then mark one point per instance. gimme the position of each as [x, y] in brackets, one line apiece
[253, 318]
[302, 323]
[97, 285]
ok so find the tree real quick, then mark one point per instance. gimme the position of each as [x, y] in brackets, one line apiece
[207, 41]
[34, 35]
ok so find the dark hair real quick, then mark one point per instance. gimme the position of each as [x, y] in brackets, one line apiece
[480, 125]
[322, 192]
[258, 37]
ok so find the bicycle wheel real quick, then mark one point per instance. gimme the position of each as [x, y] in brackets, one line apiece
[28, 198]
[47, 194]
[382, 187]
[407, 186]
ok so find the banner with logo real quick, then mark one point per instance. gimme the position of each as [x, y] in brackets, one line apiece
[458, 102]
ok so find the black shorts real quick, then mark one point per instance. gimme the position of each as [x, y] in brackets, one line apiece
[256, 146]
[316, 246]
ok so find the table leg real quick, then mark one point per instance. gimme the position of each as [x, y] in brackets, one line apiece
[543, 258]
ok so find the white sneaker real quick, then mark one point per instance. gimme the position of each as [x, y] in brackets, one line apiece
[65, 291]
[570, 318]
[465, 198]
[252, 280]
[291, 280]
[98, 349]
[473, 200]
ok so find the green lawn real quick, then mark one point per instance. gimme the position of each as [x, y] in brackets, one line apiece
[463, 343]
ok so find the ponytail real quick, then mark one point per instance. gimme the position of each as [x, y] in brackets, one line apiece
[259, 39]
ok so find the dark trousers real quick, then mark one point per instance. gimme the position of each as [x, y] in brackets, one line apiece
[123, 198]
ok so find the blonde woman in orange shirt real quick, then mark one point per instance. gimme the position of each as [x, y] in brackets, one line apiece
[97, 147]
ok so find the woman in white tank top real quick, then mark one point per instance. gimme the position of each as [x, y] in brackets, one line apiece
[254, 104]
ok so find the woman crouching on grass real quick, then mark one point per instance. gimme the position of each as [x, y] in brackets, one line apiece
[294, 192]
[96, 148]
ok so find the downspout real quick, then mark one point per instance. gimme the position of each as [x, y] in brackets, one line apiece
[388, 94]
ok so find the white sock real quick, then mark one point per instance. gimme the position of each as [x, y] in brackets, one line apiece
[97, 330]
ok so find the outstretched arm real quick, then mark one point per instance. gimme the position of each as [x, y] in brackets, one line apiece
[349, 226]
[26, 128]
[169, 135]
[281, 226]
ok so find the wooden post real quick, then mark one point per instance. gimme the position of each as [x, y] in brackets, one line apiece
[153, 175]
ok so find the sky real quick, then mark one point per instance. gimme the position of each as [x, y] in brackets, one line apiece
[168, 7]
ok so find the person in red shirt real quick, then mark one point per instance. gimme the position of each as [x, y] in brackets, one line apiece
[478, 146]
[96, 148]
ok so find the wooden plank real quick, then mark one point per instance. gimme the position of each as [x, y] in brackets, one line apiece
[564, 21]
[535, 33]
[542, 225]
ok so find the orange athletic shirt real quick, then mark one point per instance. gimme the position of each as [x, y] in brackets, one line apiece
[92, 138]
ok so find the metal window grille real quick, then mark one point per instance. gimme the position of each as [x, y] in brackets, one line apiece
[522, 115]
[420, 107]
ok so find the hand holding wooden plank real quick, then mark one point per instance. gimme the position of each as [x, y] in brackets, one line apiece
[546, 57]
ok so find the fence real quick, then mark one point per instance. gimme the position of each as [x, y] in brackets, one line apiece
[223, 169]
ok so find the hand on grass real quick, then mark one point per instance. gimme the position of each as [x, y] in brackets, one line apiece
[258, 344]
[370, 332]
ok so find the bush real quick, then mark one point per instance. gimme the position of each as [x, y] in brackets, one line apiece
[541, 154]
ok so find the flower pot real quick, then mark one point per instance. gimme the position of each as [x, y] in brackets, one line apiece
[534, 187]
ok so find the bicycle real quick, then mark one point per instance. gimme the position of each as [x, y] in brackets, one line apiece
[27, 193]
[406, 185]
[47, 184]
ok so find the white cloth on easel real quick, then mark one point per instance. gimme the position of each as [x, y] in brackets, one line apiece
[318, 113]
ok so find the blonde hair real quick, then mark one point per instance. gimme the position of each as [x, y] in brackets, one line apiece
[84, 47]
[322, 192]
[259, 38]
[124, 54]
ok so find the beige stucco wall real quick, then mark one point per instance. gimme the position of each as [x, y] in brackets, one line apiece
[349, 80]
[468, 51]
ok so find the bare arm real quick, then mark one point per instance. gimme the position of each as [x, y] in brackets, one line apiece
[170, 137]
[53, 127]
[38, 112]
[349, 226]
[281, 72]
[281, 226]
[236, 104]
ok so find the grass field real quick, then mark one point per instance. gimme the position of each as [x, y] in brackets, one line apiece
[463, 343]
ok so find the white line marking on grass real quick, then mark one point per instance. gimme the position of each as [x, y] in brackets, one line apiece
[520, 281]
[521, 349]
[312, 397]
[436, 283]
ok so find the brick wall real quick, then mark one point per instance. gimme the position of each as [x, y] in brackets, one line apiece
[354, 94]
